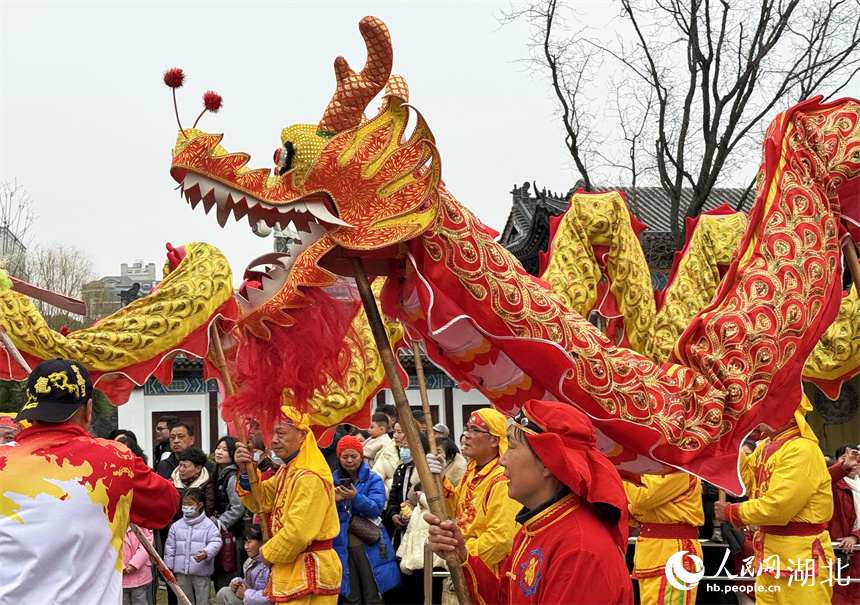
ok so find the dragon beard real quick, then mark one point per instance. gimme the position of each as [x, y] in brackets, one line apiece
[295, 359]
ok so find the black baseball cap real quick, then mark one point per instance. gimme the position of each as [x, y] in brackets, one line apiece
[55, 389]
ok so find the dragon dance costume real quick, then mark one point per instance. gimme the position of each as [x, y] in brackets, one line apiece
[306, 569]
[669, 511]
[791, 501]
[480, 503]
[562, 553]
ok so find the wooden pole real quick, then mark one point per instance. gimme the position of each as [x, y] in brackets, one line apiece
[160, 566]
[853, 264]
[435, 499]
[428, 574]
[425, 405]
[250, 468]
[13, 350]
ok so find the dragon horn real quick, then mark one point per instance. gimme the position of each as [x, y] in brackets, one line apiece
[355, 90]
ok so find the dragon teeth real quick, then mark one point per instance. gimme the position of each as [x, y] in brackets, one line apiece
[319, 210]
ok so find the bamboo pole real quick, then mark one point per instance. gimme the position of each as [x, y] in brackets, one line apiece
[250, 468]
[853, 264]
[435, 499]
[428, 574]
[13, 350]
[160, 566]
[425, 405]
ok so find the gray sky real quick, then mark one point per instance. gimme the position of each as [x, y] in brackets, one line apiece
[86, 123]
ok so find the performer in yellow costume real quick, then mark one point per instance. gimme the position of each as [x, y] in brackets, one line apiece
[790, 501]
[305, 568]
[669, 510]
[480, 503]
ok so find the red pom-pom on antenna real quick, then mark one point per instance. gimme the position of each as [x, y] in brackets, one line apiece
[174, 78]
[212, 101]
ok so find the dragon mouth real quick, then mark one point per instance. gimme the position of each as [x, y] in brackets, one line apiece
[269, 273]
[199, 189]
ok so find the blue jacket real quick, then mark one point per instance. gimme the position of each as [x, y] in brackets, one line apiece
[368, 502]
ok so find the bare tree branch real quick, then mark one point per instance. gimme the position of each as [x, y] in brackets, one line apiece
[714, 70]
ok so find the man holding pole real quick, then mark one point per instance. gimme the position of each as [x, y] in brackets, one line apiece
[67, 497]
[790, 502]
[570, 548]
[480, 503]
[305, 567]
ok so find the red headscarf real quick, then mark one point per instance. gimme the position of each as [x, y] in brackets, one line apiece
[563, 439]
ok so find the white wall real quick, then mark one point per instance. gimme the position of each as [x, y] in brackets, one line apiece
[136, 415]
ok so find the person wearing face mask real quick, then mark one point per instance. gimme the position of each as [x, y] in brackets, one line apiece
[191, 546]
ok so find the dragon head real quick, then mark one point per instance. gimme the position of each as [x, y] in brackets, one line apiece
[348, 185]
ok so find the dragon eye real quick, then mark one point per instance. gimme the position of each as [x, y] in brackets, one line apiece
[284, 157]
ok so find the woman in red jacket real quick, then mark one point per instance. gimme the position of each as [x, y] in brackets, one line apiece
[844, 527]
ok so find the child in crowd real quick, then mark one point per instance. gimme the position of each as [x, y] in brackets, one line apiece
[378, 438]
[136, 568]
[191, 546]
[248, 590]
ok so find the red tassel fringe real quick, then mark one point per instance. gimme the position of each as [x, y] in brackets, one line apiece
[300, 357]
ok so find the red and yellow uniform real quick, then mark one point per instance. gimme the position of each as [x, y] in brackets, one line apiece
[480, 504]
[559, 556]
[669, 510]
[65, 503]
[306, 569]
[791, 501]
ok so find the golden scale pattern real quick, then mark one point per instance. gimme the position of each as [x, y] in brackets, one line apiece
[147, 327]
[617, 378]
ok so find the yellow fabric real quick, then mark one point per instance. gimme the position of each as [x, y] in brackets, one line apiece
[482, 509]
[787, 480]
[143, 329]
[777, 591]
[498, 425]
[316, 599]
[673, 498]
[301, 499]
[658, 591]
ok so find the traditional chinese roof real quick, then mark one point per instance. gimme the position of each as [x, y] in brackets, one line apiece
[527, 229]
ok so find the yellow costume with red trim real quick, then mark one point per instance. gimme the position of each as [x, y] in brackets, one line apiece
[304, 521]
[790, 501]
[669, 510]
[480, 504]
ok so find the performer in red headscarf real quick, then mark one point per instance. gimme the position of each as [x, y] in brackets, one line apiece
[570, 547]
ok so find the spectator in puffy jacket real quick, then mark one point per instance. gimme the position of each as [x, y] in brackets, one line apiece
[368, 569]
[136, 568]
[191, 546]
[248, 590]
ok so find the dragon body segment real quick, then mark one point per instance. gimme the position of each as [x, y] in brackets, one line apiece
[141, 339]
[595, 264]
[374, 190]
